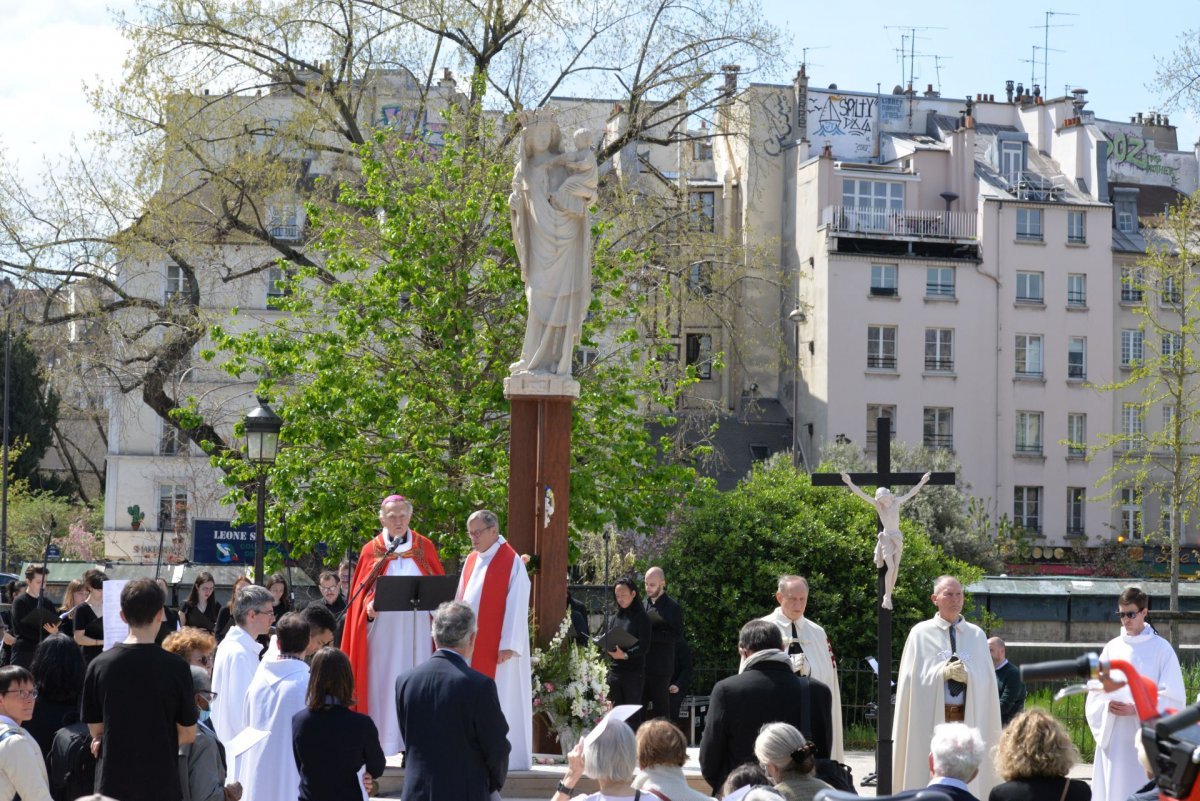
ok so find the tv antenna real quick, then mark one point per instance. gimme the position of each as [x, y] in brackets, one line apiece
[804, 54]
[1046, 26]
[937, 69]
[908, 49]
[1033, 62]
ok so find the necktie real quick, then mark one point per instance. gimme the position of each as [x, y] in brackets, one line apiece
[795, 647]
[955, 687]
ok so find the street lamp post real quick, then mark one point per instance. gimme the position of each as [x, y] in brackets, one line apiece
[262, 445]
[799, 317]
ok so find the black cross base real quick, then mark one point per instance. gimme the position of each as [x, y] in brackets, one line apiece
[883, 477]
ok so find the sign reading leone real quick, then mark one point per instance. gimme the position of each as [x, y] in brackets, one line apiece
[219, 542]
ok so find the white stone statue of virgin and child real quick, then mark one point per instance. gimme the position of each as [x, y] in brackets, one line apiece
[552, 190]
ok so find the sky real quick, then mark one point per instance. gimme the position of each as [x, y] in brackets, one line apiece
[50, 48]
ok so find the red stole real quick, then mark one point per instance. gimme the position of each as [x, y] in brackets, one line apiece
[492, 602]
[354, 637]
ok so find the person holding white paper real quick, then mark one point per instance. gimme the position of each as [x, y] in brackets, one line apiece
[1112, 716]
[608, 754]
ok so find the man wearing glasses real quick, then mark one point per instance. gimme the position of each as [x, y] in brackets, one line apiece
[1112, 717]
[495, 584]
[202, 764]
[237, 659]
[22, 769]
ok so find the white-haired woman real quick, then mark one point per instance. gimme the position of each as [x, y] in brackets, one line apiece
[790, 761]
[609, 757]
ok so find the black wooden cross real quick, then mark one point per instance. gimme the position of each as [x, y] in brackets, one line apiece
[883, 477]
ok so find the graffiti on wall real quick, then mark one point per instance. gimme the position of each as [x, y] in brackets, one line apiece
[891, 109]
[1136, 152]
[780, 134]
[845, 122]
[413, 124]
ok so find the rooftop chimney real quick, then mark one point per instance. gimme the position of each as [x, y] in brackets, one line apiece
[731, 78]
[1008, 90]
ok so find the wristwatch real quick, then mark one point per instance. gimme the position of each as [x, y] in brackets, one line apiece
[564, 789]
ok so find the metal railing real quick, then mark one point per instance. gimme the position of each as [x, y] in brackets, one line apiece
[908, 222]
[881, 362]
[935, 365]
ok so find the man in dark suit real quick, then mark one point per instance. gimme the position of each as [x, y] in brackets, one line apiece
[954, 757]
[454, 732]
[666, 621]
[764, 691]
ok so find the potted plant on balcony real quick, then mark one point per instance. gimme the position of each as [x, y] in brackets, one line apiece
[136, 516]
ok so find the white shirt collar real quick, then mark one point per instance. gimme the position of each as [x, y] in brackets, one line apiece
[390, 542]
[949, 782]
[7, 721]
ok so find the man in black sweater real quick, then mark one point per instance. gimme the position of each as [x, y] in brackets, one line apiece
[666, 621]
[1008, 682]
[764, 691]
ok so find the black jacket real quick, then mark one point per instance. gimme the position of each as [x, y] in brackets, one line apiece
[660, 659]
[454, 731]
[1012, 692]
[766, 692]
[1041, 790]
[635, 621]
[330, 745]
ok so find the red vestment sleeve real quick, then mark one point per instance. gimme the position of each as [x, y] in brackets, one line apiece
[354, 636]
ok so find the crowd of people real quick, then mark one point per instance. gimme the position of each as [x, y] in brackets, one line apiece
[254, 700]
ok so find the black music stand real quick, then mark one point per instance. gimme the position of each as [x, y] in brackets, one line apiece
[413, 594]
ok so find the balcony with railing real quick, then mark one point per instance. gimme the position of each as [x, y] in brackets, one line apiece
[903, 224]
[939, 441]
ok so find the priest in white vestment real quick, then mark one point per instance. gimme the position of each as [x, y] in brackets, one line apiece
[808, 647]
[268, 770]
[495, 584]
[237, 660]
[1111, 715]
[946, 675]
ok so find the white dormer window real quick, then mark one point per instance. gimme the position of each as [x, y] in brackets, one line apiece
[284, 221]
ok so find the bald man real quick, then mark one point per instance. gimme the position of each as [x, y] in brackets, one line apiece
[1008, 682]
[666, 621]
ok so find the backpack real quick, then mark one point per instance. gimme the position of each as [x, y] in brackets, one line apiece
[70, 765]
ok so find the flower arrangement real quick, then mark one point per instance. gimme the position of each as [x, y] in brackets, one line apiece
[570, 685]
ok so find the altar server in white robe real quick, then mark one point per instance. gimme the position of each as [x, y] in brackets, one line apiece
[495, 584]
[237, 660]
[1111, 715]
[268, 769]
[946, 675]
[808, 647]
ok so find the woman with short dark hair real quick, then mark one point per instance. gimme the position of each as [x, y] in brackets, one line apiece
[330, 741]
[91, 615]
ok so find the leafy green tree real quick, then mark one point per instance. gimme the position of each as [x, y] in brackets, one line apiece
[33, 410]
[729, 549]
[1154, 453]
[390, 377]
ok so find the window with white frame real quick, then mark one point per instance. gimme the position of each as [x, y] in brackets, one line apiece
[1077, 290]
[1168, 419]
[1126, 221]
[699, 353]
[881, 347]
[1076, 231]
[175, 280]
[1029, 432]
[939, 282]
[1132, 284]
[172, 508]
[1012, 160]
[1027, 508]
[938, 430]
[1131, 514]
[284, 221]
[875, 203]
[1030, 287]
[1166, 511]
[1132, 423]
[1076, 502]
[1029, 223]
[171, 441]
[874, 412]
[1029, 356]
[939, 350]
[279, 285]
[1172, 349]
[883, 279]
[1076, 435]
[1076, 358]
[1169, 293]
[1131, 347]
